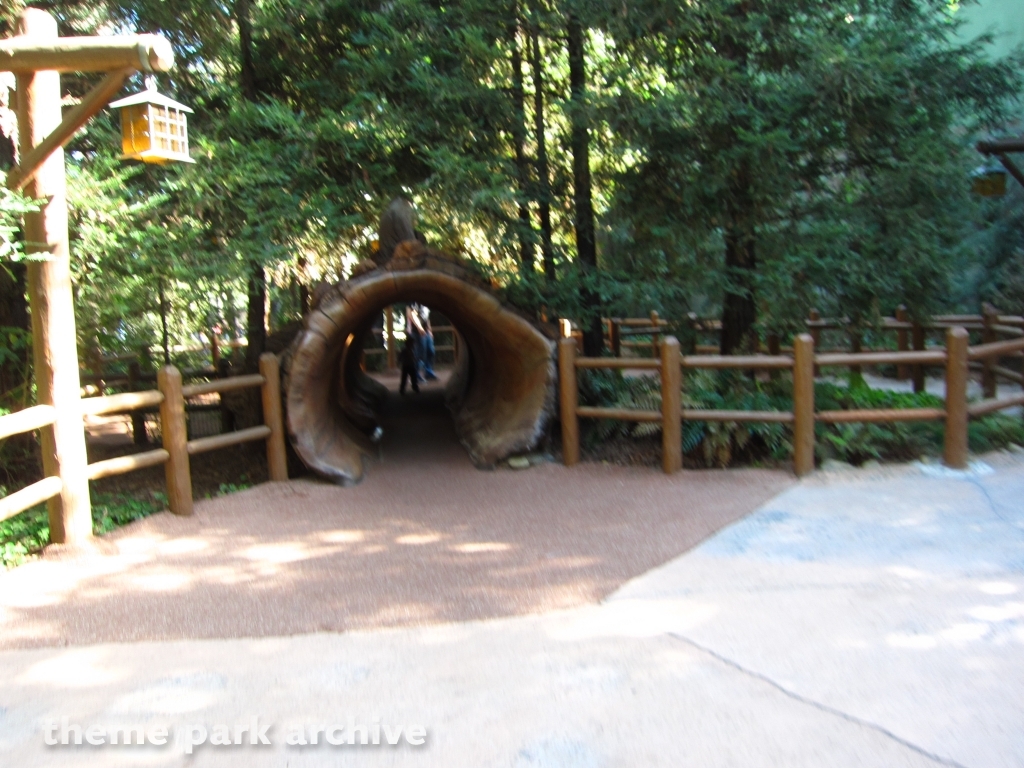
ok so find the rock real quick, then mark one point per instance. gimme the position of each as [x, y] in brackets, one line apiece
[871, 464]
[831, 465]
[1014, 448]
[519, 462]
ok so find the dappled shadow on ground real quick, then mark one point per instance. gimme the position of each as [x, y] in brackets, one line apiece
[426, 538]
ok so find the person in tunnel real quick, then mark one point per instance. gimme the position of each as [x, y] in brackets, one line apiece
[426, 343]
[407, 357]
[414, 332]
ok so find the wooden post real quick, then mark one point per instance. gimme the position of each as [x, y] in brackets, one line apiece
[803, 404]
[138, 417]
[175, 439]
[955, 449]
[654, 336]
[569, 400]
[214, 350]
[917, 339]
[616, 339]
[54, 349]
[671, 406]
[277, 460]
[812, 317]
[389, 315]
[902, 370]
[990, 317]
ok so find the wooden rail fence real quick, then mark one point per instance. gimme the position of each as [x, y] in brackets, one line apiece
[955, 358]
[991, 326]
[170, 397]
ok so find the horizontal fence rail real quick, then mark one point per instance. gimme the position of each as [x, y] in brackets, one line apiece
[174, 455]
[955, 358]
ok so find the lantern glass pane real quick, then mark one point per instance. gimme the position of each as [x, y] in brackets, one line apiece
[135, 130]
[168, 131]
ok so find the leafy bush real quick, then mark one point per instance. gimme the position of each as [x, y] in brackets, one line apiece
[859, 442]
[23, 535]
[708, 442]
[714, 443]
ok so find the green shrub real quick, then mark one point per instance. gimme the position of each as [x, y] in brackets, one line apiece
[24, 535]
[725, 443]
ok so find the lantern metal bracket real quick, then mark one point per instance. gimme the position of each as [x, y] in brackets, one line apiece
[1001, 149]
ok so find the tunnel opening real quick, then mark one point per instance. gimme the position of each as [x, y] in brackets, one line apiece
[501, 392]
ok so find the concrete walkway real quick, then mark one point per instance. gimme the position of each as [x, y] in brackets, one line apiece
[862, 618]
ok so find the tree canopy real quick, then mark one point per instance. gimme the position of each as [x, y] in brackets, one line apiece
[743, 158]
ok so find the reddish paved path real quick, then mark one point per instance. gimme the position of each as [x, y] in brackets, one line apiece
[426, 538]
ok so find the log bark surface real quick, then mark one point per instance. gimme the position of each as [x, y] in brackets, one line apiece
[501, 394]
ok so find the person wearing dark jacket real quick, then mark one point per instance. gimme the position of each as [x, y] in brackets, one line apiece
[408, 359]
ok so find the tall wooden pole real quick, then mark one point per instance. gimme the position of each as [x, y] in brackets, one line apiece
[277, 458]
[803, 404]
[955, 448]
[568, 399]
[54, 347]
[671, 404]
[175, 441]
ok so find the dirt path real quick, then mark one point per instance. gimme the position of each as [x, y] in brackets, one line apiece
[426, 538]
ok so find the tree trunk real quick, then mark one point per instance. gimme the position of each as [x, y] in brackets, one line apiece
[739, 312]
[255, 317]
[13, 314]
[543, 175]
[6, 153]
[164, 309]
[586, 246]
[247, 70]
[256, 329]
[519, 137]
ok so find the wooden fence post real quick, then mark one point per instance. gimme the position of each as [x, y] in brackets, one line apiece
[955, 448]
[54, 347]
[902, 370]
[569, 400]
[990, 317]
[277, 459]
[813, 317]
[671, 406]
[654, 336]
[392, 352]
[175, 440]
[917, 338]
[214, 349]
[615, 338]
[803, 404]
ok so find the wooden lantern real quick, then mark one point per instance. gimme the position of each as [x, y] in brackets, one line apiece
[154, 128]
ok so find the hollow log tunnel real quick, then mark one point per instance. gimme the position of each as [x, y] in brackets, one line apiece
[501, 394]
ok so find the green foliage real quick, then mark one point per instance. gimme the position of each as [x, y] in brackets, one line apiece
[12, 207]
[994, 432]
[722, 444]
[859, 442]
[24, 535]
[225, 489]
[711, 443]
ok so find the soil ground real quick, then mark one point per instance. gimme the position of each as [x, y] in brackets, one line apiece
[425, 538]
